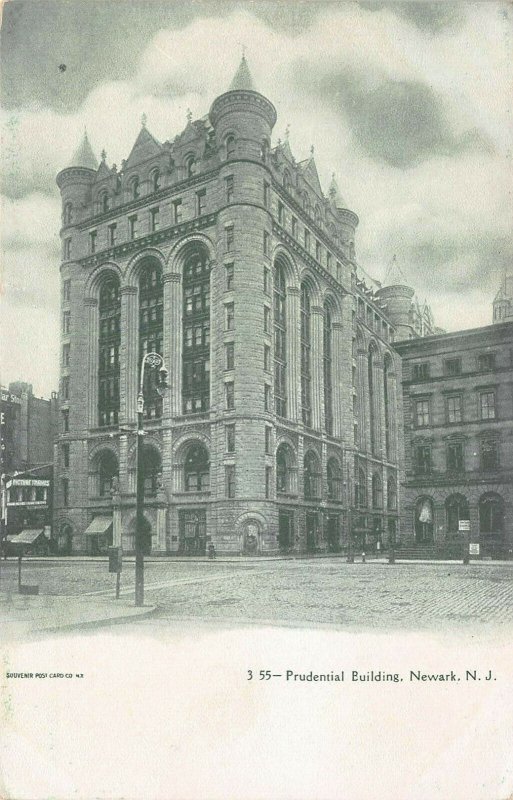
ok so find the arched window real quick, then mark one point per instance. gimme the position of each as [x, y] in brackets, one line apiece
[456, 509]
[491, 513]
[67, 213]
[152, 468]
[317, 215]
[285, 462]
[197, 469]
[190, 163]
[327, 371]
[280, 342]
[155, 180]
[306, 373]
[151, 310]
[334, 479]
[305, 200]
[134, 188]
[391, 493]
[230, 146]
[108, 348]
[196, 332]
[387, 378]
[372, 399]
[377, 491]
[286, 181]
[424, 520]
[360, 488]
[108, 469]
[311, 476]
[103, 202]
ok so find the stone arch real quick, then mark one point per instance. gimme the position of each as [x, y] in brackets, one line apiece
[282, 257]
[133, 268]
[312, 474]
[185, 441]
[286, 468]
[149, 441]
[310, 280]
[250, 527]
[98, 275]
[333, 304]
[456, 509]
[424, 519]
[180, 250]
[64, 535]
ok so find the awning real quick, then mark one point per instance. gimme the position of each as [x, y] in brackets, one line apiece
[27, 536]
[99, 525]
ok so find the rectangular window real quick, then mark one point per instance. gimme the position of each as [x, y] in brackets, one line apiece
[65, 420]
[201, 199]
[281, 213]
[421, 371]
[65, 355]
[267, 320]
[294, 227]
[267, 280]
[132, 227]
[112, 233]
[423, 459]
[268, 481]
[267, 358]
[229, 355]
[267, 194]
[67, 248]
[328, 261]
[422, 413]
[307, 240]
[318, 252]
[66, 322]
[66, 290]
[177, 211]
[229, 473]
[266, 243]
[65, 492]
[452, 366]
[339, 272]
[486, 362]
[229, 394]
[267, 397]
[65, 387]
[229, 188]
[455, 457]
[454, 406]
[154, 219]
[489, 454]
[229, 272]
[229, 238]
[230, 438]
[92, 241]
[65, 455]
[487, 405]
[268, 440]
[229, 317]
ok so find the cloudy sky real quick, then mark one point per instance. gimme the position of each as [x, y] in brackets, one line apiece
[409, 103]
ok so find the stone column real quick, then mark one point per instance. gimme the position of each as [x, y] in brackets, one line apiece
[161, 529]
[91, 304]
[173, 342]
[392, 415]
[316, 366]
[339, 377]
[293, 353]
[377, 399]
[363, 399]
[129, 353]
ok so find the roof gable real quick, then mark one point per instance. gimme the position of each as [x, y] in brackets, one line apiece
[145, 147]
[311, 176]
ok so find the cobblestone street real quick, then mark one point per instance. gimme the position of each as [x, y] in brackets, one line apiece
[292, 592]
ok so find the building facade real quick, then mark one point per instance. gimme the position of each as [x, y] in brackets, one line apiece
[219, 251]
[503, 301]
[458, 434]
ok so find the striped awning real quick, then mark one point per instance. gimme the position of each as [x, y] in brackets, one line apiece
[99, 525]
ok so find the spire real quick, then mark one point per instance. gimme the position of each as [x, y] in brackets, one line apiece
[394, 275]
[84, 156]
[334, 194]
[242, 79]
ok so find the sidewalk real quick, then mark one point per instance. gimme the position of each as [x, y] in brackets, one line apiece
[23, 615]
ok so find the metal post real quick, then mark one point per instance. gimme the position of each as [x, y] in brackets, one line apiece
[139, 550]
[19, 572]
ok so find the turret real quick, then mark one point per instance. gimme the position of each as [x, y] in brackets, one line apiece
[398, 296]
[348, 220]
[75, 182]
[244, 114]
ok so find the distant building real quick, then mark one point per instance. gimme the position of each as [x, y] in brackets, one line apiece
[411, 318]
[458, 436]
[503, 302]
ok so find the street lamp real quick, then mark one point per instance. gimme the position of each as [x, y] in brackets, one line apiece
[153, 361]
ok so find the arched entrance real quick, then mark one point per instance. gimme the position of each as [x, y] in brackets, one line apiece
[424, 521]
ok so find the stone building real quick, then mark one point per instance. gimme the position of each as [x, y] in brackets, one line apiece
[458, 435]
[503, 301]
[220, 251]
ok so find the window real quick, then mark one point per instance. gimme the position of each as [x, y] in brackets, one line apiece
[491, 513]
[391, 494]
[306, 379]
[456, 509]
[201, 202]
[268, 440]
[373, 420]
[190, 166]
[65, 455]
[65, 492]
[155, 180]
[421, 371]
[229, 316]
[65, 420]
[267, 320]
[267, 358]
[454, 408]
[311, 476]
[360, 488]
[112, 234]
[318, 251]
[334, 480]
[267, 194]
[229, 355]
[229, 238]
[134, 188]
[268, 481]
[177, 211]
[229, 480]
[230, 438]
[327, 371]
[377, 491]
[266, 243]
[267, 280]
[328, 261]
[68, 214]
[196, 332]
[280, 343]
[339, 271]
[108, 348]
[66, 290]
[229, 273]
[67, 248]
[229, 396]
[487, 405]
[307, 240]
[489, 454]
[422, 413]
[197, 469]
[65, 387]
[104, 202]
[65, 355]
[486, 362]
[281, 213]
[267, 397]
[107, 470]
[230, 146]
[284, 464]
[294, 227]
[151, 330]
[154, 219]
[229, 188]
[66, 322]
[422, 459]
[455, 457]
[388, 392]
[132, 227]
[452, 366]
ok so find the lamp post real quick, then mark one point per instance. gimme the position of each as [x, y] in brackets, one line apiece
[153, 361]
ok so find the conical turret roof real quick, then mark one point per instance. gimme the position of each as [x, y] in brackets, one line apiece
[242, 78]
[84, 156]
[394, 275]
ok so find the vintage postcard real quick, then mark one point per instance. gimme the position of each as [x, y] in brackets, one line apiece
[256, 400]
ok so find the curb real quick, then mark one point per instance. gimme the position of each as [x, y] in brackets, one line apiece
[98, 623]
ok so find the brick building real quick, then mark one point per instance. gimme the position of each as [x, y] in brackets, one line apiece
[458, 435]
[221, 252]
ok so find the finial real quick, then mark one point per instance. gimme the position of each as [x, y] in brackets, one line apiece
[104, 154]
[279, 142]
[144, 120]
[287, 132]
[243, 48]
[312, 150]
[189, 115]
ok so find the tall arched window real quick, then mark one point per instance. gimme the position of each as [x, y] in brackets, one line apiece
[152, 467]
[328, 384]
[424, 520]
[155, 180]
[456, 509]
[311, 476]
[305, 200]
[151, 322]
[134, 187]
[103, 201]
[67, 214]
[286, 181]
[334, 479]
[108, 469]
[391, 493]
[280, 342]
[317, 215]
[190, 162]
[387, 369]
[377, 491]
[196, 332]
[109, 343]
[230, 146]
[285, 463]
[197, 469]
[491, 513]
[306, 371]
[361, 488]
[372, 410]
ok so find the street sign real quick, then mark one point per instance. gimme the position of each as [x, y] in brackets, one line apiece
[115, 559]
[473, 548]
[464, 525]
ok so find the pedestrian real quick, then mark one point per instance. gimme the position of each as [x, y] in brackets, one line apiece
[211, 550]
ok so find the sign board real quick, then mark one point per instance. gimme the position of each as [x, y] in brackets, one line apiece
[464, 525]
[473, 548]
[115, 562]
